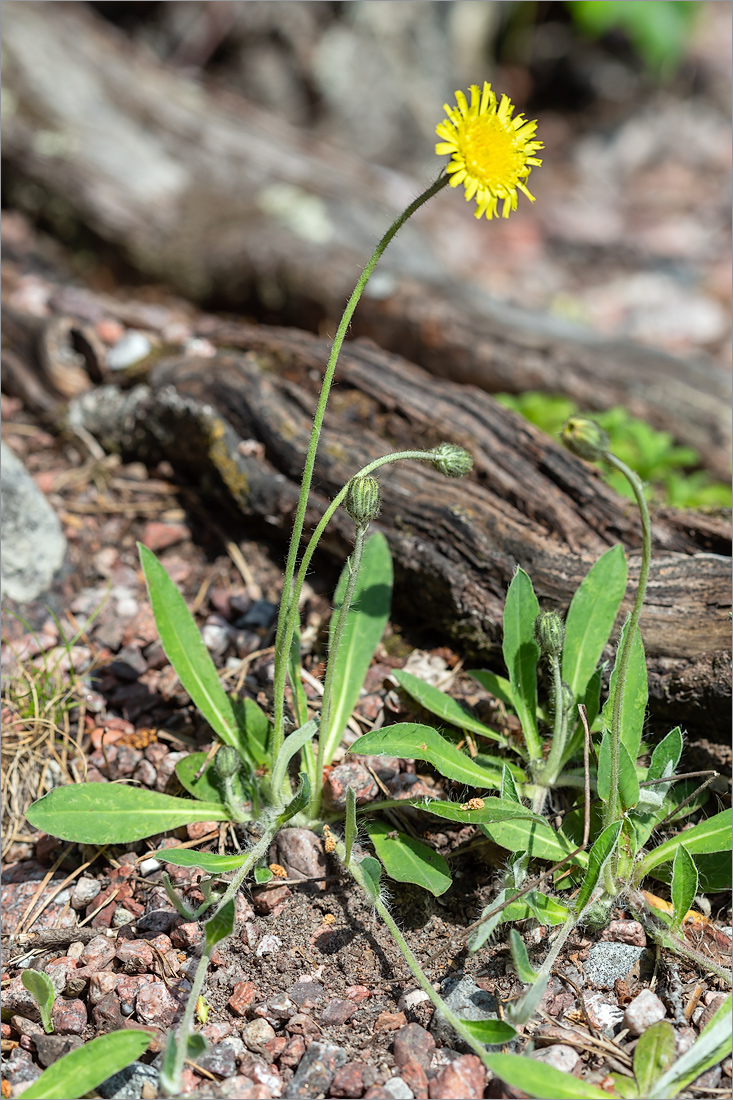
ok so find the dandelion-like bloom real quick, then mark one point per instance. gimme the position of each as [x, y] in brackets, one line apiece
[492, 154]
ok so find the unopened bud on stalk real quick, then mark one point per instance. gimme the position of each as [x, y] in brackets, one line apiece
[549, 631]
[227, 762]
[363, 500]
[452, 460]
[585, 438]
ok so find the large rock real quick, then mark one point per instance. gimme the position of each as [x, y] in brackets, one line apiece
[33, 544]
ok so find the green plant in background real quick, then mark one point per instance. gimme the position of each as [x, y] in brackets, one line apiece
[250, 780]
[659, 30]
[668, 469]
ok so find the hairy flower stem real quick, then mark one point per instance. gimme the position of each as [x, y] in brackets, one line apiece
[291, 619]
[622, 662]
[450, 1017]
[281, 650]
[254, 855]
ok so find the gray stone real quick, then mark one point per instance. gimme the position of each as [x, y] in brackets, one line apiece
[469, 1002]
[645, 1009]
[129, 349]
[315, 1072]
[128, 1083]
[397, 1089]
[33, 544]
[608, 961]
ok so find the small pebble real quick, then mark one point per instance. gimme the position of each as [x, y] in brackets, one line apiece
[463, 1079]
[86, 890]
[268, 945]
[156, 1005]
[131, 348]
[256, 1033]
[644, 1010]
[559, 1056]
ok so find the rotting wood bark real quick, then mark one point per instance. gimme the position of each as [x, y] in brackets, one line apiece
[457, 543]
[212, 194]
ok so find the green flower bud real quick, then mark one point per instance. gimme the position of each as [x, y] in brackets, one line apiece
[227, 762]
[452, 460]
[568, 698]
[363, 499]
[549, 631]
[597, 915]
[585, 438]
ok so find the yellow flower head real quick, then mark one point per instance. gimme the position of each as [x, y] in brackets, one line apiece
[492, 154]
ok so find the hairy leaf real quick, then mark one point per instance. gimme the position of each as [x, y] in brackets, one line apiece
[684, 885]
[115, 813]
[82, 1070]
[406, 859]
[541, 1081]
[590, 619]
[415, 742]
[362, 633]
[184, 647]
[521, 654]
[440, 704]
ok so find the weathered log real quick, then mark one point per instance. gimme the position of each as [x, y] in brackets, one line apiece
[221, 199]
[456, 544]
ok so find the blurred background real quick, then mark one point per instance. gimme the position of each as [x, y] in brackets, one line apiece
[247, 155]
[630, 233]
[631, 229]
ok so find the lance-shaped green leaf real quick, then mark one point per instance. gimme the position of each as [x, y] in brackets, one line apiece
[298, 802]
[635, 697]
[712, 835]
[184, 647]
[653, 1055]
[293, 743]
[406, 859]
[415, 742]
[684, 885]
[262, 875]
[371, 871]
[545, 910]
[219, 926]
[509, 792]
[207, 787]
[525, 972]
[521, 654]
[498, 686]
[511, 826]
[598, 856]
[541, 1081]
[628, 784]
[440, 704]
[115, 813]
[208, 861]
[666, 754]
[590, 619]
[349, 824]
[41, 989]
[712, 1047]
[362, 633]
[254, 730]
[82, 1070]
[300, 699]
[491, 1032]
